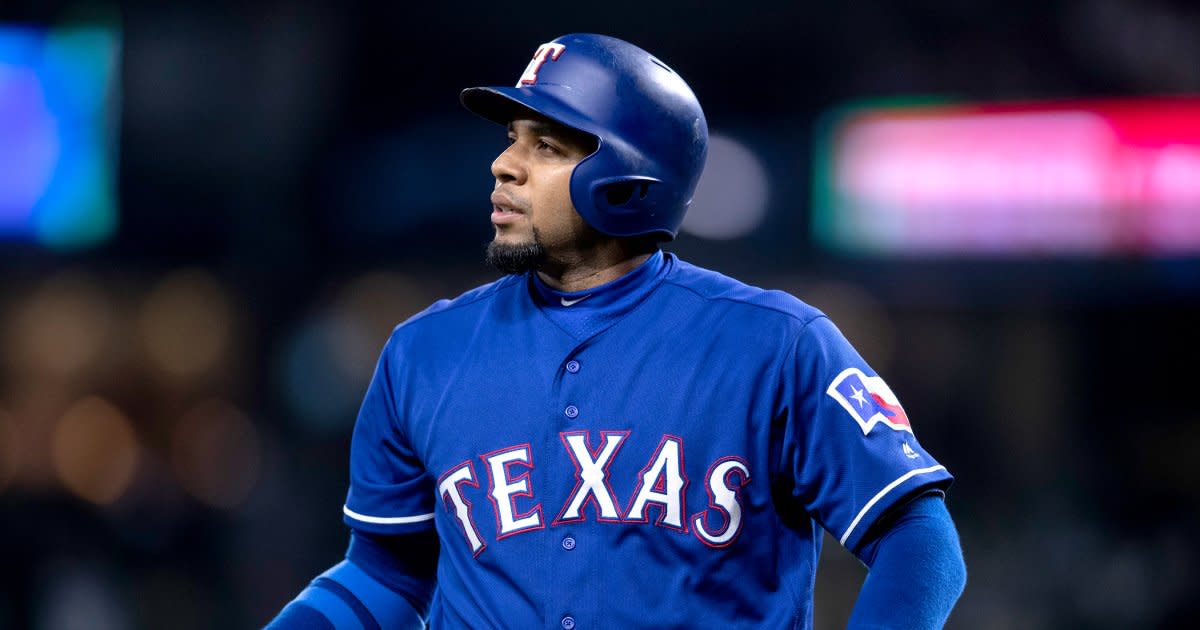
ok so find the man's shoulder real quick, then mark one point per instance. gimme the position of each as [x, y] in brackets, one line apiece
[715, 287]
[462, 308]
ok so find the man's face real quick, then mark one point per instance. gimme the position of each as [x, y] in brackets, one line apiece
[531, 205]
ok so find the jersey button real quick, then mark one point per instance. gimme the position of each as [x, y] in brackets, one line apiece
[568, 623]
[568, 543]
[573, 366]
[571, 411]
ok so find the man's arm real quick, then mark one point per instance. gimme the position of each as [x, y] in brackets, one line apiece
[916, 568]
[385, 582]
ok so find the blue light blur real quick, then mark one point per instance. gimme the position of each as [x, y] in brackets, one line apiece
[58, 135]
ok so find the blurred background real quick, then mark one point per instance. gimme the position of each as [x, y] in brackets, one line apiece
[213, 213]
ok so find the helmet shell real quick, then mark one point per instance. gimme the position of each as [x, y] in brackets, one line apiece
[653, 137]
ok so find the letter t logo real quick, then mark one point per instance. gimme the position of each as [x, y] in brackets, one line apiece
[545, 52]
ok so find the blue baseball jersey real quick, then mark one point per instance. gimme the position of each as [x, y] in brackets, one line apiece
[661, 451]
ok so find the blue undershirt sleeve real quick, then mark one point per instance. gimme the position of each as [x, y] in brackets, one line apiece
[406, 563]
[916, 567]
[300, 616]
[328, 605]
[385, 582]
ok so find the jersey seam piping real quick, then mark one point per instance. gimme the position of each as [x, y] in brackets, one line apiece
[387, 520]
[500, 285]
[712, 298]
[882, 493]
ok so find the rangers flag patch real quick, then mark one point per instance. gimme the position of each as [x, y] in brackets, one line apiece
[868, 400]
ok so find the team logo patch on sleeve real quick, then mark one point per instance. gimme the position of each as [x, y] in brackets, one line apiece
[868, 400]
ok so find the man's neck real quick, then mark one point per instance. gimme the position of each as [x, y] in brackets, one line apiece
[580, 271]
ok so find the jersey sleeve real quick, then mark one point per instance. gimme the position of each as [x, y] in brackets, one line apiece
[847, 449]
[390, 490]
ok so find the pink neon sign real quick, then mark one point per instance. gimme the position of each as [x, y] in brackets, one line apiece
[1071, 177]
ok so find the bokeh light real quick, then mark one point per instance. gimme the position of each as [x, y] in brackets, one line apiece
[860, 316]
[186, 323]
[377, 302]
[10, 451]
[77, 595]
[62, 328]
[1057, 178]
[57, 93]
[731, 198]
[318, 386]
[94, 450]
[216, 453]
[31, 147]
[330, 358]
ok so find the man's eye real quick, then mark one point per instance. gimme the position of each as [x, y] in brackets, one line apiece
[546, 146]
[512, 140]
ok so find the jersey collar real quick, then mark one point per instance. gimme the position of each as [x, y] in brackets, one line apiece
[585, 313]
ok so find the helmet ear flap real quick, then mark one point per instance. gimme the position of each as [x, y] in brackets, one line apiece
[620, 195]
[625, 193]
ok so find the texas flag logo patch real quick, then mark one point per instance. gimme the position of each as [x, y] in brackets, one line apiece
[868, 400]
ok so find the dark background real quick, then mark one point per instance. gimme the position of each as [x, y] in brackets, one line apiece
[296, 178]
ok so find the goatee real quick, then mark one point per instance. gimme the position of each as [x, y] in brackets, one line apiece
[516, 258]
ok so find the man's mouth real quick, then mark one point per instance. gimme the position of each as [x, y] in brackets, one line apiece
[503, 210]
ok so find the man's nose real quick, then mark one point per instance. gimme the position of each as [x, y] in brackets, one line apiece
[508, 167]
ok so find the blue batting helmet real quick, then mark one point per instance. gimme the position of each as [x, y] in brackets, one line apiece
[652, 134]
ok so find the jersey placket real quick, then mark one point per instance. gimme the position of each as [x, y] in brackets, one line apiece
[574, 550]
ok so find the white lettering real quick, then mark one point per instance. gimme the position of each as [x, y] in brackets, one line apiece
[593, 476]
[505, 489]
[662, 483]
[449, 488]
[725, 500]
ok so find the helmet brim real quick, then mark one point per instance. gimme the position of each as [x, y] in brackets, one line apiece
[501, 104]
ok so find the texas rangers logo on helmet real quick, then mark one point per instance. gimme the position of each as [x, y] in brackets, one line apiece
[868, 400]
[546, 52]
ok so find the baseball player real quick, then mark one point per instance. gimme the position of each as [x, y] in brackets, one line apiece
[608, 436]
